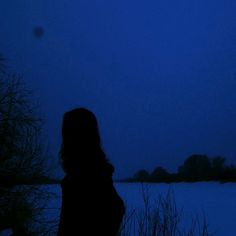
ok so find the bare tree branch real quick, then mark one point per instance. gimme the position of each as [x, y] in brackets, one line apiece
[22, 154]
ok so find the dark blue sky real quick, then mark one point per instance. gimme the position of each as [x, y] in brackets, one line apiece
[160, 75]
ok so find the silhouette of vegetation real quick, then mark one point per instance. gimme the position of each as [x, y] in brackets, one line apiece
[161, 217]
[195, 168]
[160, 174]
[22, 154]
[141, 175]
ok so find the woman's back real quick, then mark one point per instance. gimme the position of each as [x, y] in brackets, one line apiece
[90, 204]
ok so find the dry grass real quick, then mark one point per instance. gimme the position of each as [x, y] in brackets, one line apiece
[161, 218]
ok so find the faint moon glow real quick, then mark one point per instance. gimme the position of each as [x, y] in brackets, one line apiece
[38, 32]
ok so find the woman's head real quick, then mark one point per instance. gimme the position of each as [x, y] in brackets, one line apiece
[80, 139]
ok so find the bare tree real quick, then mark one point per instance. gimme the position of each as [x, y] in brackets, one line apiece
[22, 154]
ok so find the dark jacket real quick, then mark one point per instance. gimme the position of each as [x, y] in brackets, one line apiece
[90, 204]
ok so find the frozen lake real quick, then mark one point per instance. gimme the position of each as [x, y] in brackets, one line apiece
[217, 202]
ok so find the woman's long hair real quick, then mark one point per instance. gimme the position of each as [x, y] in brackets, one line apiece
[81, 145]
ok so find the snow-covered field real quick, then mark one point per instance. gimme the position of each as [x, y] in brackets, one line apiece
[217, 202]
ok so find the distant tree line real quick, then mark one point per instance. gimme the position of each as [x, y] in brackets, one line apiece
[195, 168]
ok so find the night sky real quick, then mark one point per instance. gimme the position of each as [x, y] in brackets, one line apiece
[159, 75]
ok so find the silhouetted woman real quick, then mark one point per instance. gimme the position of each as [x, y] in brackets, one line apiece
[90, 203]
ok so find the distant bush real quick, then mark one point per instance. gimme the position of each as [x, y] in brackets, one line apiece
[195, 168]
